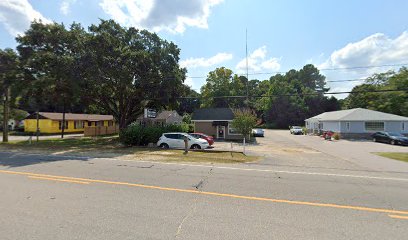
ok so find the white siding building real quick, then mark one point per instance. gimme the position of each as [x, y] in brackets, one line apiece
[357, 123]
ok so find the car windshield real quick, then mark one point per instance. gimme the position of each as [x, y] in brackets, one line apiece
[395, 134]
[296, 127]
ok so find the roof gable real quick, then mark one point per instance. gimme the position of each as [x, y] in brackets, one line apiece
[162, 115]
[212, 114]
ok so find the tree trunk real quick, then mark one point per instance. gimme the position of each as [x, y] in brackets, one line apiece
[6, 115]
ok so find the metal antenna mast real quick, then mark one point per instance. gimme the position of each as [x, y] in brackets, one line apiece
[246, 54]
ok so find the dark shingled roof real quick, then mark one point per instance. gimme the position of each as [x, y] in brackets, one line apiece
[214, 114]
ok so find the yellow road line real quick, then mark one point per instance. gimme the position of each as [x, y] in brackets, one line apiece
[399, 217]
[315, 204]
[58, 180]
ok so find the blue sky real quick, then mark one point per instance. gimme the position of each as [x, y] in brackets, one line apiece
[282, 34]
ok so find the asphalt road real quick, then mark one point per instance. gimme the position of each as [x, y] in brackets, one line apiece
[49, 197]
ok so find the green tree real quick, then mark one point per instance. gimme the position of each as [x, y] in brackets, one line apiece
[127, 69]
[10, 76]
[365, 95]
[244, 120]
[218, 84]
[50, 54]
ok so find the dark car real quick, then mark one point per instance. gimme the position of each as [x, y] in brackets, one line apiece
[209, 139]
[390, 137]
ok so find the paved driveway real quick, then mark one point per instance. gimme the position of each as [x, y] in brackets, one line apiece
[281, 149]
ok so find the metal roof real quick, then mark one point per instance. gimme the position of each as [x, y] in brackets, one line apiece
[72, 116]
[357, 114]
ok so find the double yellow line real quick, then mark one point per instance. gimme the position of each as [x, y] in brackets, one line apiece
[398, 214]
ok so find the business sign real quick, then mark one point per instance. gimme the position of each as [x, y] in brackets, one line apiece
[150, 113]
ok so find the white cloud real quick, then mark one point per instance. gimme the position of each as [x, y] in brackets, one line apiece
[257, 61]
[189, 82]
[377, 49]
[65, 6]
[206, 62]
[157, 15]
[16, 15]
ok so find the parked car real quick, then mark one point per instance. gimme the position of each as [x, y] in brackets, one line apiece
[258, 132]
[296, 130]
[176, 140]
[209, 139]
[390, 137]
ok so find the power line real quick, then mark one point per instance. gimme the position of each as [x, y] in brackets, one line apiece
[324, 69]
[305, 94]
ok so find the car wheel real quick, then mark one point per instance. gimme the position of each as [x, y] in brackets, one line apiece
[196, 146]
[164, 145]
[393, 142]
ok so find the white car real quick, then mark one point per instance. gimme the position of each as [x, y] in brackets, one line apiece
[258, 132]
[296, 130]
[176, 140]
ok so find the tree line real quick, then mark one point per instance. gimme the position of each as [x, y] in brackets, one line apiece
[104, 69]
[110, 69]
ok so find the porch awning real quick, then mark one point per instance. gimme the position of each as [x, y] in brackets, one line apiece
[220, 123]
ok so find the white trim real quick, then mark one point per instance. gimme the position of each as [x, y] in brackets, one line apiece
[218, 132]
[211, 120]
[371, 131]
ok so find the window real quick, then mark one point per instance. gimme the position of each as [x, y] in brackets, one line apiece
[110, 123]
[89, 124]
[78, 124]
[403, 126]
[374, 126]
[60, 125]
[348, 126]
[232, 131]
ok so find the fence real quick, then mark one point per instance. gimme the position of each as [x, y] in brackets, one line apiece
[100, 130]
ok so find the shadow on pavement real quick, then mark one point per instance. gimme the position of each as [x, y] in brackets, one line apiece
[11, 159]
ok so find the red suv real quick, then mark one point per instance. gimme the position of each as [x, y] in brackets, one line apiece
[209, 139]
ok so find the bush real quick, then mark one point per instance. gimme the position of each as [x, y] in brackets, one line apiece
[336, 136]
[136, 135]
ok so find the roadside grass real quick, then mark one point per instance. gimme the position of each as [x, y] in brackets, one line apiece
[110, 147]
[401, 156]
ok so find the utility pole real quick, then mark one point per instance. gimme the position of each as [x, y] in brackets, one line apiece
[246, 54]
[6, 113]
[37, 133]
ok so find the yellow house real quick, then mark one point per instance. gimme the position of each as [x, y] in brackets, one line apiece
[50, 122]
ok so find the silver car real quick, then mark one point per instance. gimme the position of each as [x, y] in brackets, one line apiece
[258, 132]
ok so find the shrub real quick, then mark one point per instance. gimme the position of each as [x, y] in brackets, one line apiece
[136, 135]
[336, 136]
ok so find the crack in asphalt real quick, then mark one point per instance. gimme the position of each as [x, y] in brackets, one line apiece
[199, 186]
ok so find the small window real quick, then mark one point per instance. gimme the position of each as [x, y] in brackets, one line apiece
[60, 125]
[78, 124]
[348, 126]
[374, 126]
[232, 131]
[110, 123]
[89, 124]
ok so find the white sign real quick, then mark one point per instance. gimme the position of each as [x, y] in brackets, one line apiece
[150, 113]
